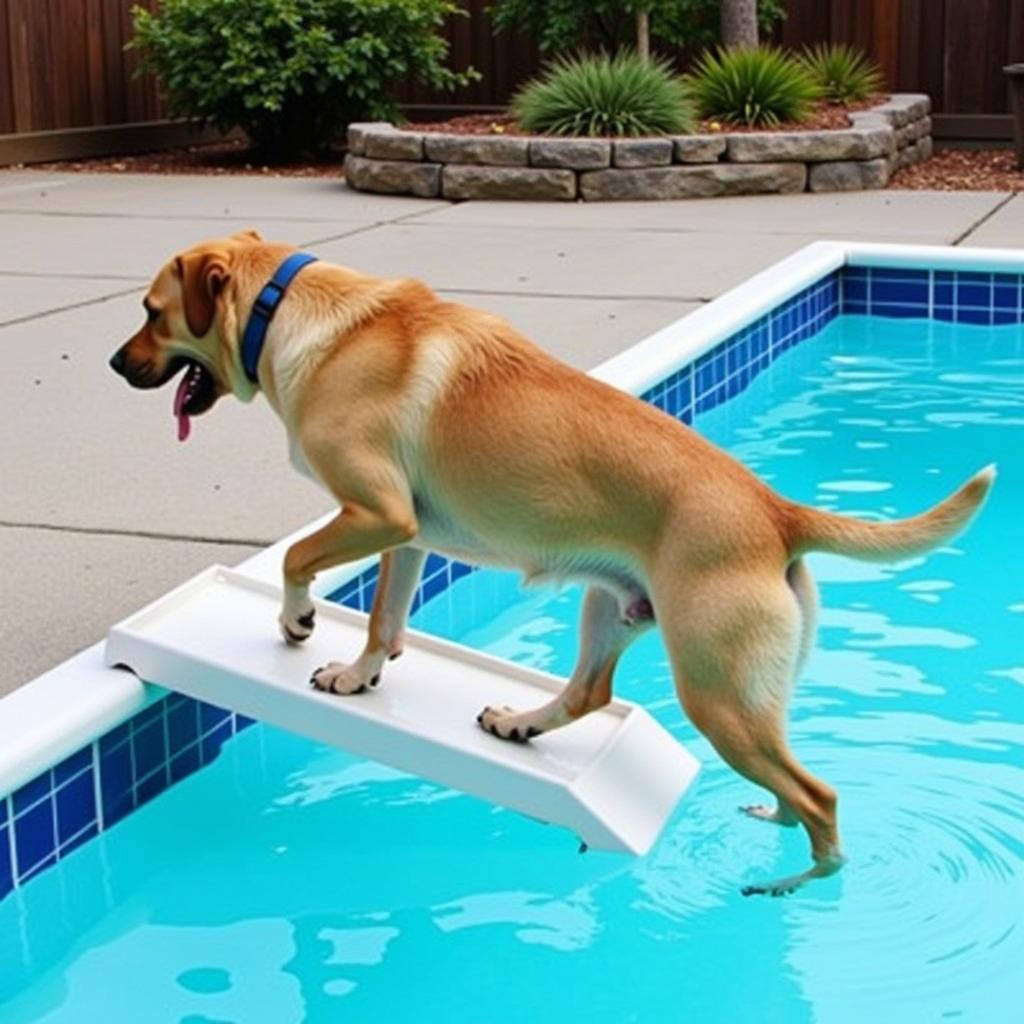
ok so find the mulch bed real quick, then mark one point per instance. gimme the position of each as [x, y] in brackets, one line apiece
[825, 117]
[964, 170]
[214, 158]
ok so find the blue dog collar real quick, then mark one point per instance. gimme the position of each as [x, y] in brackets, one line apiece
[264, 308]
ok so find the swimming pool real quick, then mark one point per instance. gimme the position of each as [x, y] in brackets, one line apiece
[287, 881]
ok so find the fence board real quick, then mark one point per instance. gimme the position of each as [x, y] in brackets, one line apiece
[6, 79]
[94, 62]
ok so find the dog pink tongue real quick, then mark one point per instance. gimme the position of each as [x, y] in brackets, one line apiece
[184, 423]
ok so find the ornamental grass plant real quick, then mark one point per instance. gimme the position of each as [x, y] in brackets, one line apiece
[844, 74]
[600, 95]
[755, 87]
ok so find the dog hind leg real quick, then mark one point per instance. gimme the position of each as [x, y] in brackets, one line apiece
[801, 582]
[604, 635]
[734, 646]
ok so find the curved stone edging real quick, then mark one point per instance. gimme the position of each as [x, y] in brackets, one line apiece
[895, 134]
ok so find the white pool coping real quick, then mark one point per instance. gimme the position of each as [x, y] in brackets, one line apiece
[77, 701]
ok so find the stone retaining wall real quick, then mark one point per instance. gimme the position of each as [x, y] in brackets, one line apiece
[383, 158]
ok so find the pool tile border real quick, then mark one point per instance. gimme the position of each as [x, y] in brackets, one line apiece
[94, 788]
[44, 820]
[952, 296]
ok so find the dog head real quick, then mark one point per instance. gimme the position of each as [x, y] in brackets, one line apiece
[191, 325]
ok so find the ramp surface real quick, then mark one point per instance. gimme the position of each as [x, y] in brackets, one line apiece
[614, 777]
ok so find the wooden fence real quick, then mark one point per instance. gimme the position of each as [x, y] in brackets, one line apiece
[63, 63]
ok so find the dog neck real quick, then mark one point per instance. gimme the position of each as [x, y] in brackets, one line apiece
[263, 309]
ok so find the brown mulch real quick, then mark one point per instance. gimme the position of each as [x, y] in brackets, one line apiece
[469, 124]
[964, 170]
[214, 158]
[824, 117]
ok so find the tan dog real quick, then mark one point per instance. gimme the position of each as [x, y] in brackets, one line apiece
[438, 427]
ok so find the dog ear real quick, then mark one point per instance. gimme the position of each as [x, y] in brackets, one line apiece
[250, 235]
[203, 277]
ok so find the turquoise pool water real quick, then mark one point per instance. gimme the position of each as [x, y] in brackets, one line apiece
[290, 882]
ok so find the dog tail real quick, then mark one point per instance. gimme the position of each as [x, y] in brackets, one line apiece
[811, 529]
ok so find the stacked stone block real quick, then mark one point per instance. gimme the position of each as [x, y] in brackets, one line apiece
[383, 158]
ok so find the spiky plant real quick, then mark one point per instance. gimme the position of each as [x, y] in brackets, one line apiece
[602, 95]
[758, 87]
[845, 74]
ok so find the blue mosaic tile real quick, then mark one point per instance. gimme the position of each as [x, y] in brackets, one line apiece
[214, 740]
[900, 292]
[210, 716]
[46, 862]
[6, 868]
[899, 311]
[460, 569]
[151, 786]
[32, 792]
[3, 810]
[973, 316]
[116, 783]
[434, 563]
[433, 586]
[149, 747]
[76, 806]
[115, 737]
[1005, 293]
[185, 763]
[72, 766]
[147, 715]
[34, 840]
[943, 290]
[182, 724]
[83, 837]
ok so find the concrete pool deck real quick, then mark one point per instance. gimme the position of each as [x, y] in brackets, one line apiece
[101, 510]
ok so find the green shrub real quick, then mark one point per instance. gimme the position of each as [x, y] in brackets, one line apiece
[602, 95]
[566, 25]
[758, 87]
[291, 73]
[845, 74]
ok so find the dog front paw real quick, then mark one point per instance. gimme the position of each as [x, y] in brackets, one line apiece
[507, 724]
[297, 624]
[336, 677]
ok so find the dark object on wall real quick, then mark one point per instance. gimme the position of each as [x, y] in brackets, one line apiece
[1015, 73]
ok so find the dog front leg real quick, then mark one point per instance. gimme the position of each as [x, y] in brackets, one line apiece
[357, 531]
[399, 573]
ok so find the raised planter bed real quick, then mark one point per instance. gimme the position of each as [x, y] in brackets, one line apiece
[881, 140]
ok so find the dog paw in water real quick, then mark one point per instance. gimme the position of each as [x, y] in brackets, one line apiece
[336, 677]
[786, 888]
[775, 815]
[507, 724]
[297, 627]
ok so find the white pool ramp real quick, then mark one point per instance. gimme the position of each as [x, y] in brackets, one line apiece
[613, 778]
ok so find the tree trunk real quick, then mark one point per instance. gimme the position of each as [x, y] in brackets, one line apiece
[739, 23]
[643, 33]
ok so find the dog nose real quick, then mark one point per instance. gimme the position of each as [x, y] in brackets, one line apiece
[117, 361]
